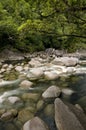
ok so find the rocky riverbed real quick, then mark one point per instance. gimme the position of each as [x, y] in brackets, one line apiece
[43, 91]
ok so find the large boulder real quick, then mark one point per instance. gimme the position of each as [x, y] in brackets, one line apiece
[65, 119]
[67, 61]
[52, 92]
[78, 111]
[35, 124]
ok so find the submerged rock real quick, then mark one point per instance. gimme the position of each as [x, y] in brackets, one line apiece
[9, 115]
[65, 119]
[35, 124]
[49, 110]
[25, 115]
[32, 96]
[40, 104]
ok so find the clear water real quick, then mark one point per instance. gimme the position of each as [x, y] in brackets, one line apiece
[74, 82]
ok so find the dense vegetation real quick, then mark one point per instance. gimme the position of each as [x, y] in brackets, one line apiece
[33, 25]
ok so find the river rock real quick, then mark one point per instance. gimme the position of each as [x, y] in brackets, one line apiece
[37, 72]
[40, 104]
[65, 119]
[2, 111]
[31, 96]
[26, 68]
[3, 70]
[67, 61]
[79, 107]
[25, 115]
[68, 92]
[77, 110]
[8, 115]
[11, 66]
[49, 110]
[35, 124]
[5, 66]
[25, 84]
[52, 92]
[70, 70]
[19, 68]
[14, 99]
[50, 75]
[34, 63]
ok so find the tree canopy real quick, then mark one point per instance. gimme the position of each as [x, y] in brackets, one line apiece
[30, 25]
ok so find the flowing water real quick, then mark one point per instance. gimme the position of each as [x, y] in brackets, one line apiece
[77, 83]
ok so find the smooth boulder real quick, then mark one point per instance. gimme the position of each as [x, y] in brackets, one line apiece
[67, 61]
[35, 124]
[65, 119]
[52, 92]
[25, 84]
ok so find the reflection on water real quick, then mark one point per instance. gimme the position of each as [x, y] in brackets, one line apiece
[74, 82]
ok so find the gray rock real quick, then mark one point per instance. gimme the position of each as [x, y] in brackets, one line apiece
[35, 124]
[67, 91]
[67, 61]
[25, 84]
[65, 118]
[51, 92]
[19, 68]
[9, 115]
[81, 116]
[14, 99]
[5, 66]
[50, 75]
[35, 73]
[2, 111]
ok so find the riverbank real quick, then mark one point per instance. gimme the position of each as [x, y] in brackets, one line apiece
[11, 54]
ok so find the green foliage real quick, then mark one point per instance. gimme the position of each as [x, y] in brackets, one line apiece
[8, 33]
[30, 25]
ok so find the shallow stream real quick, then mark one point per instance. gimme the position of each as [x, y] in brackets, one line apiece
[77, 83]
